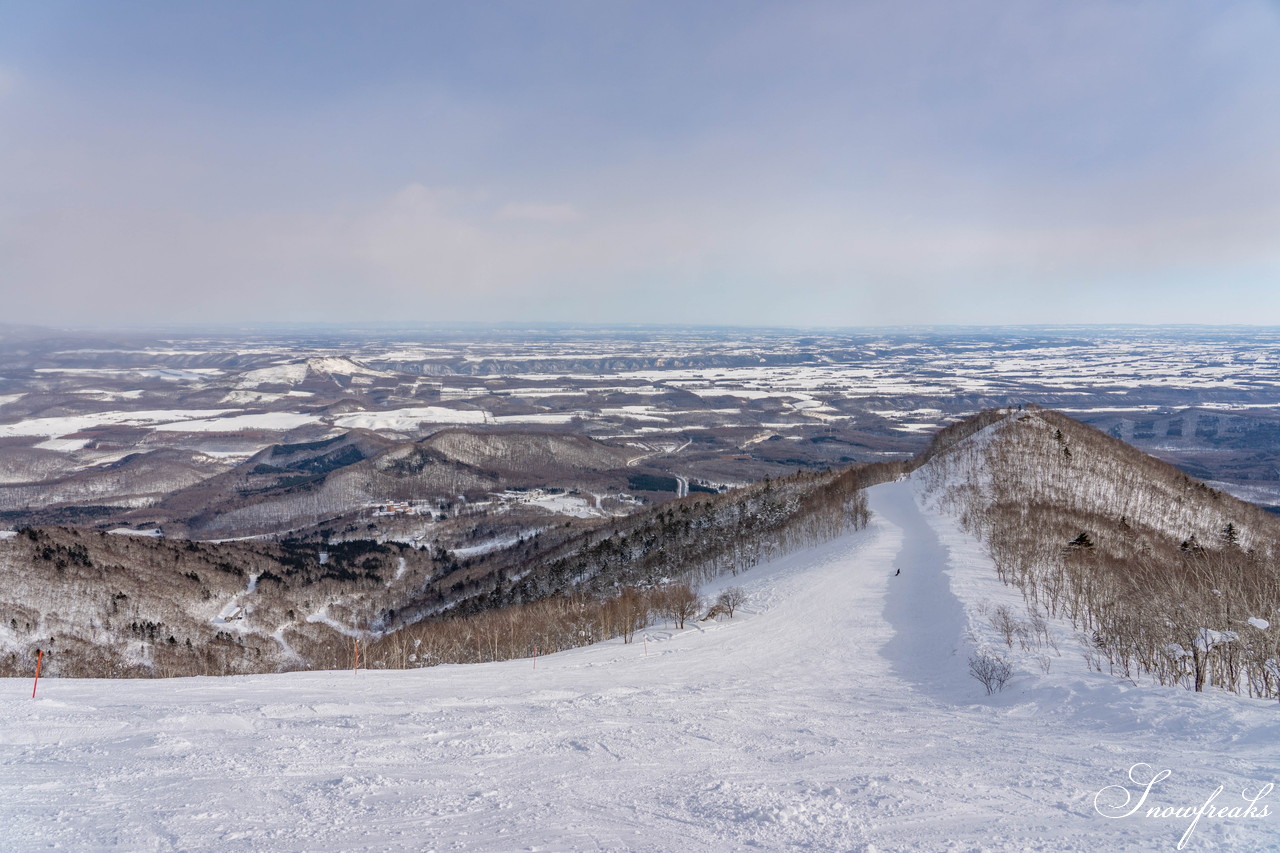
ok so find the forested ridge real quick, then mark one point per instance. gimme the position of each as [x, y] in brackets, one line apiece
[1163, 577]
[112, 605]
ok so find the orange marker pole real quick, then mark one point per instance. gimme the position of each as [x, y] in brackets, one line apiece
[39, 660]
[357, 667]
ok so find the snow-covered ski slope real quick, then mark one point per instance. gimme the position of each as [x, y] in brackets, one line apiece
[834, 714]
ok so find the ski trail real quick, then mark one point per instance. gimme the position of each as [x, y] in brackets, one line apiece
[927, 620]
[817, 719]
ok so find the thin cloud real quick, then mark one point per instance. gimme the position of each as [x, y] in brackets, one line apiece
[868, 160]
[550, 213]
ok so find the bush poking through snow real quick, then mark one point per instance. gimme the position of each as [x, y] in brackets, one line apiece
[992, 671]
[1009, 626]
[731, 599]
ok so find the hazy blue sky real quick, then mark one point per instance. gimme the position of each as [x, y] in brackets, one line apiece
[832, 163]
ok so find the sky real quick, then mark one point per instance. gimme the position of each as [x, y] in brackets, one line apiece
[741, 163]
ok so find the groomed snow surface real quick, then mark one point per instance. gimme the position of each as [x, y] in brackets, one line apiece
[834, 713]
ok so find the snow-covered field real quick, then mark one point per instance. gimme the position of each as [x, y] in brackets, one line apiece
[834, 713]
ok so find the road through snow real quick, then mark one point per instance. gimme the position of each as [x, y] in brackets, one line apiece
[834, 713]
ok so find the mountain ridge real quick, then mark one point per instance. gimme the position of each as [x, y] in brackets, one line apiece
[985, 470]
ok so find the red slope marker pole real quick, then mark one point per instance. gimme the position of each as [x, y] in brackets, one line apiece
[39, 660]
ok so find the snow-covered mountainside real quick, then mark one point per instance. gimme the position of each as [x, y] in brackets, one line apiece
[835, 711]
[144, 605]
[1170, 579]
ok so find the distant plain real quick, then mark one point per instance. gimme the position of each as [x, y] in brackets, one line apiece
[106, 428]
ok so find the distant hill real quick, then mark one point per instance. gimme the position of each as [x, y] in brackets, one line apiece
[287, 487]
[290, 486]
[323, 370]
[517, 454]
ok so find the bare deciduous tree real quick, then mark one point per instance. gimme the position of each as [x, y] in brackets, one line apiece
[731, 599]
[681, 602]
[992, 671]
